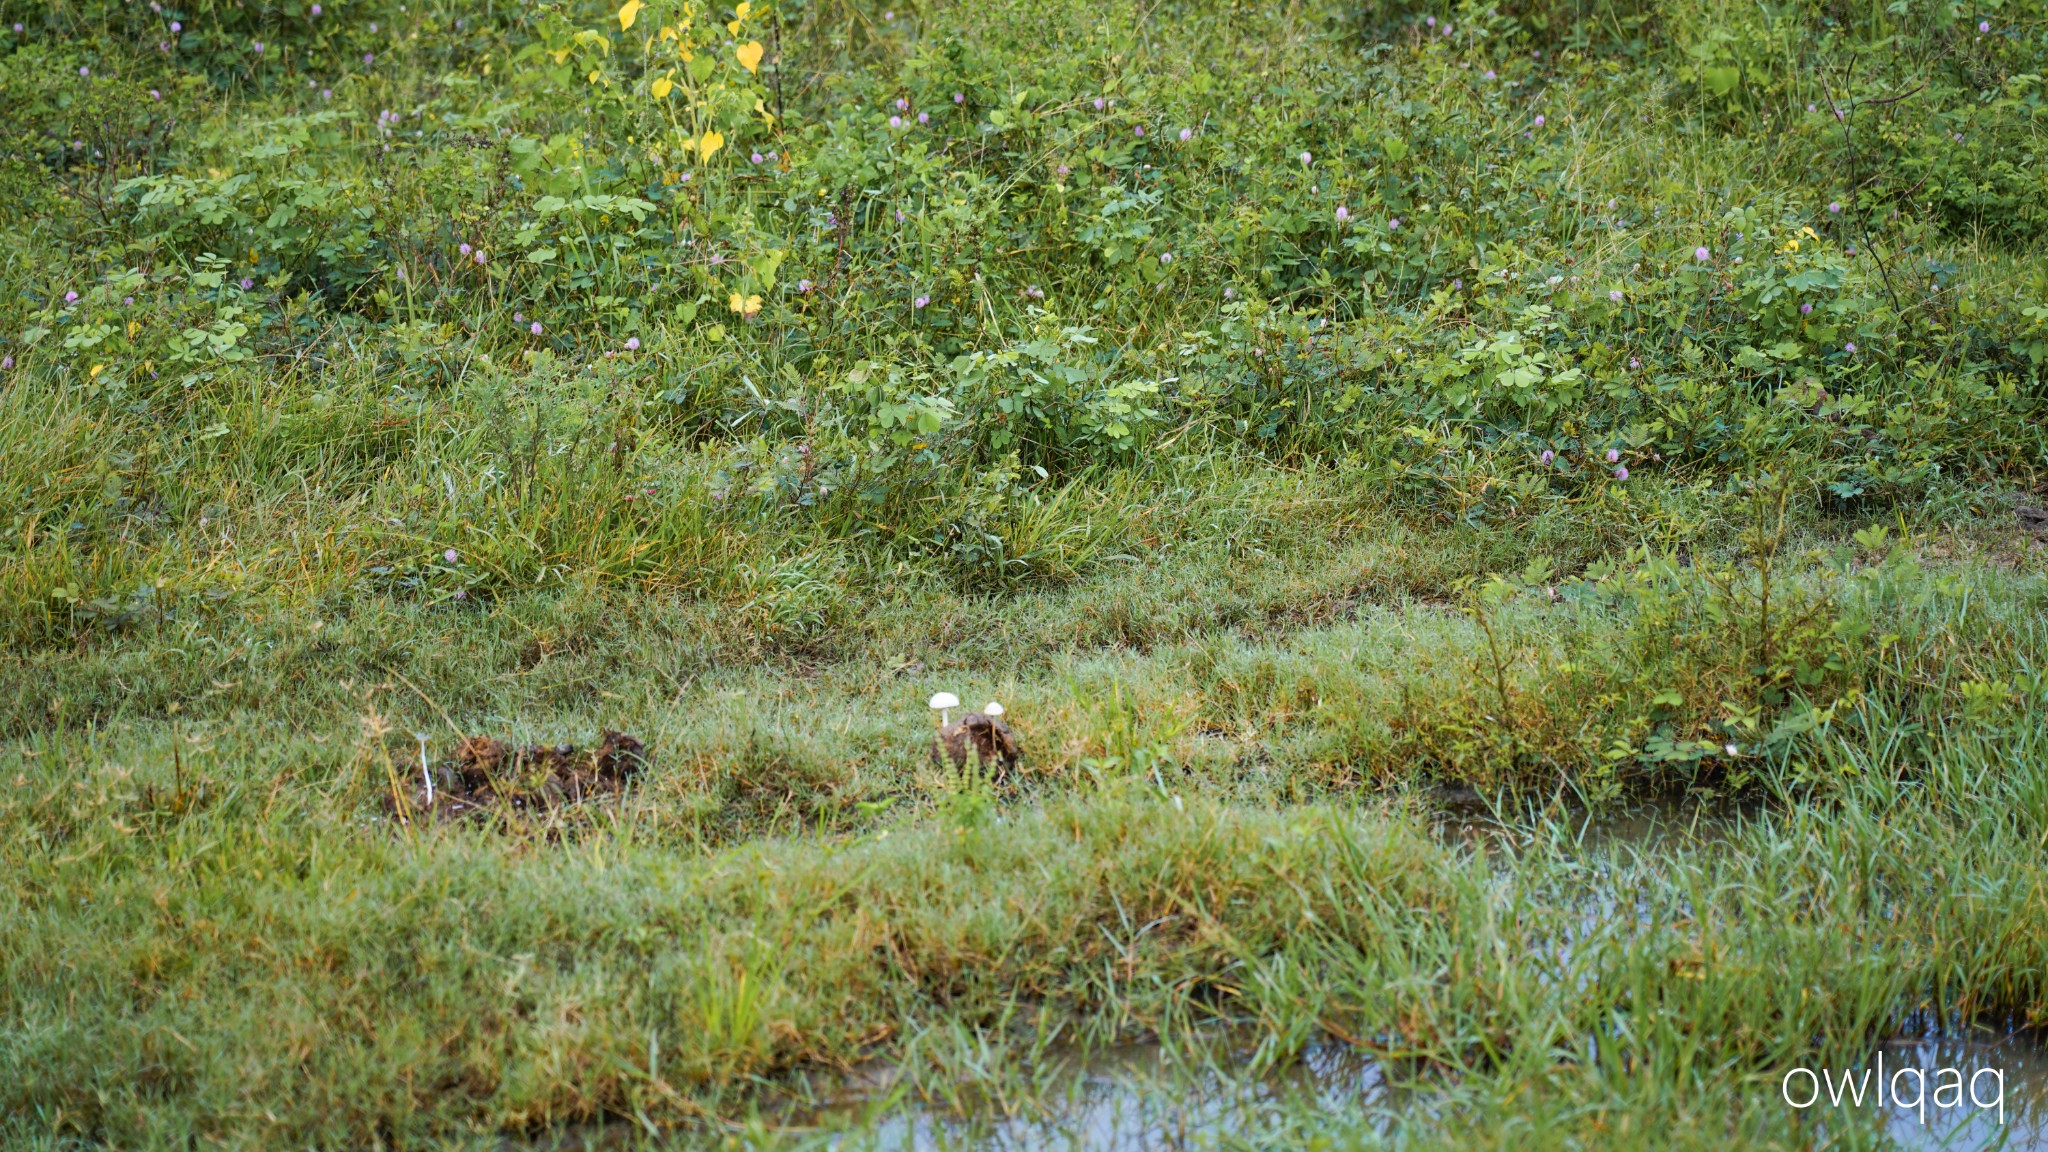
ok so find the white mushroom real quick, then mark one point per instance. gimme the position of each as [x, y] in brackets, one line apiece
[991, 709]
[425, 773]
[941, 703]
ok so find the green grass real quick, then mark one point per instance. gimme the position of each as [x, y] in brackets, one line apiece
[1416, 513]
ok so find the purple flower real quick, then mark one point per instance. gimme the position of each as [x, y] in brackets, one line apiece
[1492, 75]
[84, 71]
[902, 105]
[481, 259]
[1100, 104]
[1343, 213]
[1634, 363]
[316, 10]
[127, 301]
[1701, 254]
[1615, 295]
[1806, 309]
[7, 362]
[369, 58]
[632, 343]
[519, 317]
[1393, 223]
[1621, 473]
[803, 285]
[1983, 25]
[1833, 206]
[1850, 348]
[1307, 159]
[1613, 455]
[1547, 457]
[1035, 292]
[155, 95]
[1539, 120]
[535, 328]
[248, 283]
[258, 46]
[1851, 249]
[1063, 170]
[895, 121]
[1429, 20]
[17, 32]
[71, 297]
[450, 556]
[1187, 134]
[756, 158]
[464, 248]
[175, 26]
[924, 117]
[1166, 257]
[1229, 293]
[921, 301]
[462, 594]
[959, 97]
[1458, 284]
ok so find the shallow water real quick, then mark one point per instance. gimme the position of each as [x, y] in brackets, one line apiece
[2021, 1056]
[1138, 1096]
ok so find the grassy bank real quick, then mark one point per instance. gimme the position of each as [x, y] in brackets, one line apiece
[1302, 418]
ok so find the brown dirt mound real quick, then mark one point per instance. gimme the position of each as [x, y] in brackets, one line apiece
[483, 774]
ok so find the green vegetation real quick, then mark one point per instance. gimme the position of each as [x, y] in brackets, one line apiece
[1300, 416]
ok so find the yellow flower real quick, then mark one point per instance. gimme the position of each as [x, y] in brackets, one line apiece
[750, 55]
[745, 306]
[710, 143]
[661, 88]
[1791, 245]
[629, 13]
[99, 368]
[744, 10]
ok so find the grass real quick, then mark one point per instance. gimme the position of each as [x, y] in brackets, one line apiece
[1490, 490]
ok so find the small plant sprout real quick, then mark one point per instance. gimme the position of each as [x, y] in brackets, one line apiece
[943, 703]
[991, 709]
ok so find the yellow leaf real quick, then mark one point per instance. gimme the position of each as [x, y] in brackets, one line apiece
[133, 328]
[736, 302]
[668, 33]
[99, 368]
[629, 13]
[710, 143]
[593, 76]
[750, 55]
[661, 88]
[753, 305]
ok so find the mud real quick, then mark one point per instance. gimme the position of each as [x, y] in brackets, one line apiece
[484, 775]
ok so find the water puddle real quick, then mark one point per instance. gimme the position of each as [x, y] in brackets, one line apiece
[1132, 1097]
[2010, 1067]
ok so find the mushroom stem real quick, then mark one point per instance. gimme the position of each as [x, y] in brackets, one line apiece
[425, 774]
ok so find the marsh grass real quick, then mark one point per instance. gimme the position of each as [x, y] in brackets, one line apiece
[1274, 530]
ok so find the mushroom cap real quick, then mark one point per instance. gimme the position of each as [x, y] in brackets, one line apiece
[991, 709]
[945, 700]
